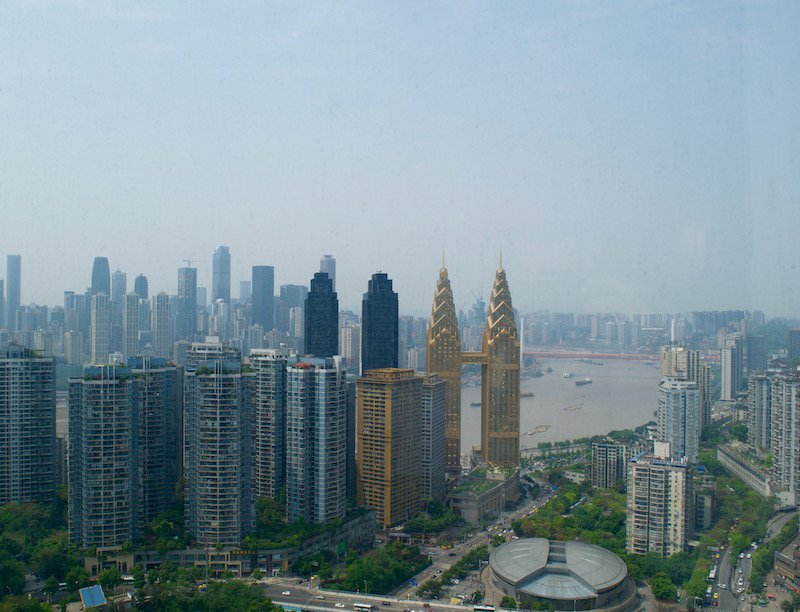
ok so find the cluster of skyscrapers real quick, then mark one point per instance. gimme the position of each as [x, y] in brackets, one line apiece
[170, 392]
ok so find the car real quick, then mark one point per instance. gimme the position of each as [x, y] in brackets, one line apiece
[749, 556]
[339, 604]
[386, 603]
[286, 593]
[300, 581]
[722, 586]
[319, 597]
[741, 555]
[451, 554]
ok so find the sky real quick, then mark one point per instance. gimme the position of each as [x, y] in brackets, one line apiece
[630, 156]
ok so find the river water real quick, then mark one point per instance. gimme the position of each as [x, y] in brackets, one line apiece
[622, 395]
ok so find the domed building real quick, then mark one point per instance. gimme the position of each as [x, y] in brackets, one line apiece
[568, 575]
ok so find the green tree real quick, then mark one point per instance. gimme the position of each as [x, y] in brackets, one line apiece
[109, 578]
[51, 587]
[138, 577]
[662, 587]
[76, 578]
[12, 577]
[508, 602]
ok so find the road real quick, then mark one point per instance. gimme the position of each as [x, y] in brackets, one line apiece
[307, 596]
[731, 568]
[444, 560]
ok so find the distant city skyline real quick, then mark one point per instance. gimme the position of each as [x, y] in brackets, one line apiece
[625, 156]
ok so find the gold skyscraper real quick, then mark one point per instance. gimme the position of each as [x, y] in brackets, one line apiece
[500, 379]
[499, 359]
[443, 348]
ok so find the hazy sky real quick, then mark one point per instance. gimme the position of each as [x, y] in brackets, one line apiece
[627, 156]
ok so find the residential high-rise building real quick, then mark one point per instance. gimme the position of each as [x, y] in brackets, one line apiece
[759, 425]
[263, 287]
[100, 328]
[388, 431]
[161, 326]
[130, 325]
[683, 363]
[13, 289]
[755, 353]
[443, 356]
[158, 421]
[659, 505]
[316, 440]
[350, 345]
[321, 312]
[609, 464]
[221, 275]
[785, 442]
[500, 379]
[103, 488]
[220, 502]
[352, 472]
[379, 325]
[140, 287]
[678, 417]
[123, 449]
[269, 404]
[328, 265]
[434, 404]
[2, 304]
[101, 276]
[186, 317]
[731, 367]
[27, 426]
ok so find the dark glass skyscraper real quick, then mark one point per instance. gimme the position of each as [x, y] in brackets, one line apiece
[101, 276]
[263, 287]
[221, 275]
[140, 287]
[379, 325]
[322, 318]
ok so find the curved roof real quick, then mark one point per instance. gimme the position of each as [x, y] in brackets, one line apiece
[557, 570]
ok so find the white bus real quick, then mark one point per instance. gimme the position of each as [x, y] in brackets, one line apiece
[483, 609]
[362, 607]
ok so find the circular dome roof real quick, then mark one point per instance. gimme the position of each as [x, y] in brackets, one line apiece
[557, 570]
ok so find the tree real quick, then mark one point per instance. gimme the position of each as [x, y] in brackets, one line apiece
[76, 578]
[109, 578]
[12, 577]
[138, 577]
[508, 602]
[51, 587]
[662, 587]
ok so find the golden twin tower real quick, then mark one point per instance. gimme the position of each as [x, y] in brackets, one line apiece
[499, 359]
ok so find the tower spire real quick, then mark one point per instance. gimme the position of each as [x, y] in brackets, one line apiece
[443, 266]
[501, 258]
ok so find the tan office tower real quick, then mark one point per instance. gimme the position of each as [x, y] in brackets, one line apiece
[443, 356]
[389, 430]
[500, 379]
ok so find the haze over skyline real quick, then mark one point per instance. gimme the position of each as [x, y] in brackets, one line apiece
[624, 156]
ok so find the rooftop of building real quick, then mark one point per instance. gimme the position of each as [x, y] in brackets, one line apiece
[557, 570]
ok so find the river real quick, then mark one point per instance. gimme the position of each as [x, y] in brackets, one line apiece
[622, 395]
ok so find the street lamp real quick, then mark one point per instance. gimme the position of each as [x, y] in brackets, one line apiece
[365, 587]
